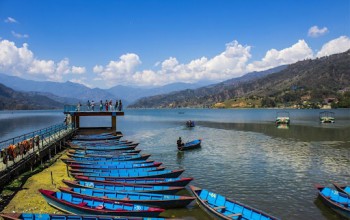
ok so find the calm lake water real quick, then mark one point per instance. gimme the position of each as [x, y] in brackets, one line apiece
[243, 155]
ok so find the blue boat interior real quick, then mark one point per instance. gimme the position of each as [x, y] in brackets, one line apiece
[347, 189]
[98, 204]
[229, 208]
[338, 197]
[44, 216]
[124, 195]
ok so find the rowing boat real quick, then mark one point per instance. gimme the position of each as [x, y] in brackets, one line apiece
[76, 204]
[121, 187]
[338, 201]
[223, 208]
[137, 174]
[148, 199]
[183, 181]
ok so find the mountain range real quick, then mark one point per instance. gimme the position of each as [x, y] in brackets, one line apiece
[306, 82]
[72, 93]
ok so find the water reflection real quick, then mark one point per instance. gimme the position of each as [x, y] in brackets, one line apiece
[294, 132]
[282, 126]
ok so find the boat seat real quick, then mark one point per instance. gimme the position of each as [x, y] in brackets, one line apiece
[219, 207]
[234, 214]
[100, 207]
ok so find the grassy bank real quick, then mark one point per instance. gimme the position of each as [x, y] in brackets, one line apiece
[27, 198]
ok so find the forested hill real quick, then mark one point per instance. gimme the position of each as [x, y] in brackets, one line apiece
[13, 100]
[303, 84]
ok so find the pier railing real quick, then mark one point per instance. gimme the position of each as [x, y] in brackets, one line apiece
[86, 108]
[37, 140]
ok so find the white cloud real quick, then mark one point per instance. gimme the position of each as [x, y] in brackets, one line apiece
[20, 61]
[10, 20]
[119, 71]
[338, 45]
[274, 58]
[228, 64]
[314, 31]
[78, 70]
[97, 69]
[17, 35]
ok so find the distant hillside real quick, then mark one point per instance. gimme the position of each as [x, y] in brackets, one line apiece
[131, 94]
[13, 100]
[309, 81]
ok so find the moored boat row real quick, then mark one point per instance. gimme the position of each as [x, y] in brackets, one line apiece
[114, 178]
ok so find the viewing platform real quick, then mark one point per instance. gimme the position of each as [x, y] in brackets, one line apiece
[75, 112]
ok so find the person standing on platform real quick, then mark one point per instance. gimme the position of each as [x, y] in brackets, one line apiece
[111, 105]
[101, 106]
[92, 105]
[78, 107]
[120, 106]
[106, 105]
[116, 105]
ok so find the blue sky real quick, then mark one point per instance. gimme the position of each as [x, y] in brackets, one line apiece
[156, 42]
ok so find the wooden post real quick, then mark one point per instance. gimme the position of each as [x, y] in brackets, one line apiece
[114, 122]
[77, 121]
[67, 170]
[51, 178]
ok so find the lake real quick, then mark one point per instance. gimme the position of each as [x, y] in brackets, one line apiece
[244, 156]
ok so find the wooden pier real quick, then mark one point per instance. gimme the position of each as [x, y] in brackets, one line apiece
[75, 115]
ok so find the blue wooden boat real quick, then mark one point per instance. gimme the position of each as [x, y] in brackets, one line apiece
[114, 166]
[148, 199]
[121, 187]
[183, 181]
[223, 208]
[338, 201]
[103, 162]
[76, 204]
[116, 158]
[190, 145]
[47, 216]
[98, 153]
[106, 148]
[342, 188]
[98, 138]
[137, 174]
[97, 156]
[117, 170]
[103, 142]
